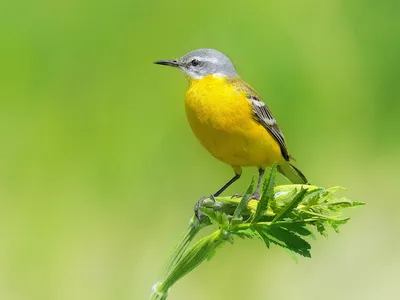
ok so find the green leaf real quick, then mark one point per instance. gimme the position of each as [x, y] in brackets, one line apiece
[246, 233]
[297, 213]
[236, 220]
[267, 194]
[264, 237]
[217, 218]
[194, 228]
[338, 204]
[285, 238]
[212, 253]
[322, 230]
[243, 202]
[291, 205]
[314, 197]
[299, 228]
[192, 258]
[336, 223]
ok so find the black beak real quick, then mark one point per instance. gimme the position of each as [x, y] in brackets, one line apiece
[171, 63]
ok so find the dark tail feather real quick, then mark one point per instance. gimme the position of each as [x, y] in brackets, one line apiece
[292, 173]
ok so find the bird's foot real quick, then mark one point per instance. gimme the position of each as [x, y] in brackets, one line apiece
[197, 206]
[237, 196]
[253, 196]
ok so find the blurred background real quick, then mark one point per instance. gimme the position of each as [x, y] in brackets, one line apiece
[99, 171]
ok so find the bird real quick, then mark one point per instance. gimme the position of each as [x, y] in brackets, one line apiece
[229, 118]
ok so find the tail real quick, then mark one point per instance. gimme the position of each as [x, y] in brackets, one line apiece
[292, 173]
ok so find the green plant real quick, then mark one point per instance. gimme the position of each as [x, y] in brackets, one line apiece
[285, 216]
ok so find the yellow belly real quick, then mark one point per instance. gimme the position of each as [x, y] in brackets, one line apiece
[221, 118]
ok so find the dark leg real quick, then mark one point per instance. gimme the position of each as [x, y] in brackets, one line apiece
[198, 214]
[226, 185]
[256, 194]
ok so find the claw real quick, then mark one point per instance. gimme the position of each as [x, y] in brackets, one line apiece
[237, 196]
[197, 212]
[197, 206]
[211, 197]
[254, 196]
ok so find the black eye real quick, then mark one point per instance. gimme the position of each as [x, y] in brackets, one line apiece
[195, 62]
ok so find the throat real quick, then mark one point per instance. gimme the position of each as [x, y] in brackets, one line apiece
[214, 100]
[208, 81]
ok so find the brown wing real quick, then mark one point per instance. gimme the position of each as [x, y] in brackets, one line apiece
[263, 115]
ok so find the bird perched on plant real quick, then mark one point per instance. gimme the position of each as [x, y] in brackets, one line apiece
[229, 118]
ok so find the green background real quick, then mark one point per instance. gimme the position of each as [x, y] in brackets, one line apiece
[99, 171]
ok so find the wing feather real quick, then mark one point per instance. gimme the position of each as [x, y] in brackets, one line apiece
[263, 115]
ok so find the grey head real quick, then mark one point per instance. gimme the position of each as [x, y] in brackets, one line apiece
[202, 62]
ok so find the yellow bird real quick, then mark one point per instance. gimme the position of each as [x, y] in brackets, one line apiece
[229, 118]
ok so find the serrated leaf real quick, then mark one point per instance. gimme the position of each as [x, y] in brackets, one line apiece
[265, 239]
[314, 197]
[291, 240]
[336, 223]
[262, 236]
[243, 202]
[289, 229]
[291, 205]
[284, 238]
[342, 203]
[217, 218]
[246, 233]
[299, 228]
[281, 199]
[267, 194]
[322, 230]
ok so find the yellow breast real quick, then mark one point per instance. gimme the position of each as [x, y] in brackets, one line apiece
[221, 118]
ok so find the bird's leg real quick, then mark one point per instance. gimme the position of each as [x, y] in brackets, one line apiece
[198, 204]
[256, 194]
[226, 185]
